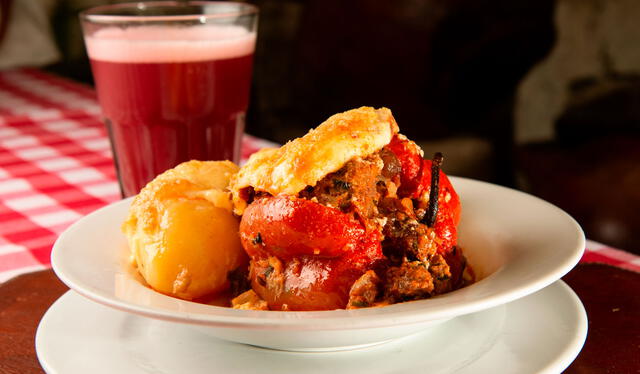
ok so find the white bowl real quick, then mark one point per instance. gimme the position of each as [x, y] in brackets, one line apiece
[516, 243]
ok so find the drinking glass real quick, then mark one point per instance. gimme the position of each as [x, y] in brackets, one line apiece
[172, 80]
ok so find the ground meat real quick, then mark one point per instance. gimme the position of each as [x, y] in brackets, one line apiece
[413, 269]
[409, 281]
[392, 168]
[401, 238]
[457, 266]
[364, 291]
[405, 236]
[441, 274]
[352, 189]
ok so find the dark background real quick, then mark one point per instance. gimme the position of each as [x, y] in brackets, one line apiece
[455, 73]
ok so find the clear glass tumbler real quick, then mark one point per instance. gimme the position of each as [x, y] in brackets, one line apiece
[173, 81]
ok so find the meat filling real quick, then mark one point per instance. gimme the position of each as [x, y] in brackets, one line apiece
[367, 188]
[352, 189]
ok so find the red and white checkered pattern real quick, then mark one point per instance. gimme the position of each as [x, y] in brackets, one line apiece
[600, 253]
[56, 166]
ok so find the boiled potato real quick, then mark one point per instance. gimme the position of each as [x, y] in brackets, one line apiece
[181, 232]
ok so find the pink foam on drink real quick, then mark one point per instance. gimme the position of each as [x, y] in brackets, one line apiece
[151, 44]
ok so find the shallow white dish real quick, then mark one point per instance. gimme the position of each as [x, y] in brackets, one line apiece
[540, 333]
[516, 243]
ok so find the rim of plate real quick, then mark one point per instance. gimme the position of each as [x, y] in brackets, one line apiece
[473, 298]
[558, 297]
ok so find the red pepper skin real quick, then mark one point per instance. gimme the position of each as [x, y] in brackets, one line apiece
[323, 251]
[315, 283]
[448, 214]
[288, 227]
[411, 161]
[448, 199]
[417, 185]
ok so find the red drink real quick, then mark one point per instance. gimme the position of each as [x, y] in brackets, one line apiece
[166, 102]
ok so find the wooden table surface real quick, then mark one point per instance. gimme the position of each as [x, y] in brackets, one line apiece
[610, 295]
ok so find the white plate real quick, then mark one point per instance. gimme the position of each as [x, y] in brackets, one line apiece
[541, 333]
[516, 243]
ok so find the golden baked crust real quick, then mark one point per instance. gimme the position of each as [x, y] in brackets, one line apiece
[323, 150]
[207, 180]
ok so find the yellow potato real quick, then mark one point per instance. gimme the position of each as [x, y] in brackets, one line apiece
[181, 232]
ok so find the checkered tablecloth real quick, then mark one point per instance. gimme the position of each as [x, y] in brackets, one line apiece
[56, 166]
